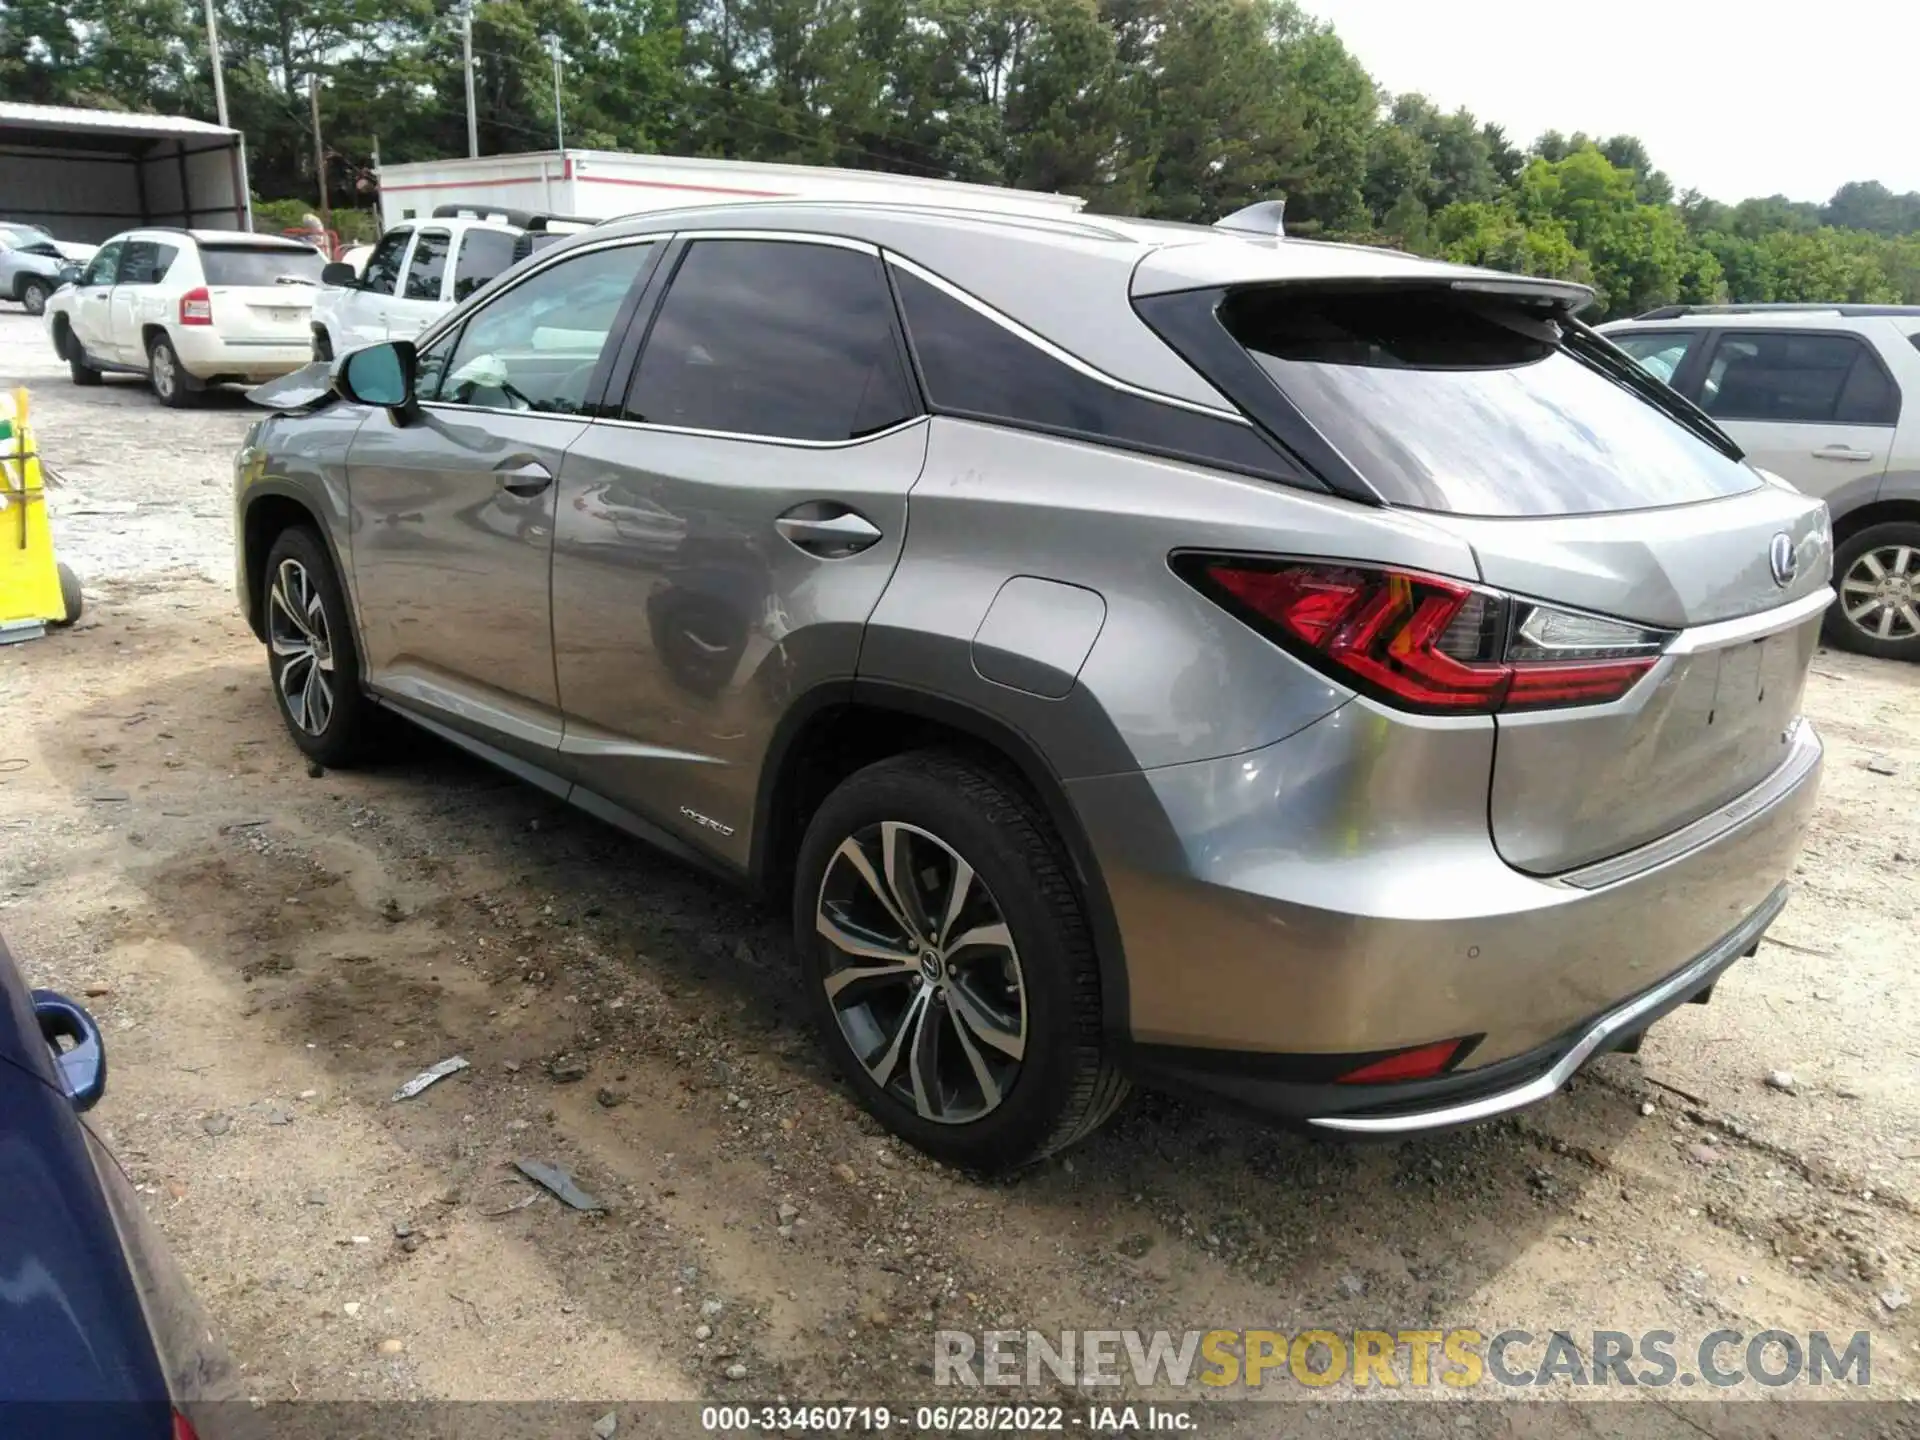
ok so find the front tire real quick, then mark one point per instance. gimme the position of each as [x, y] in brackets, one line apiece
[311, 656]
[33, 295]
[68, 345]
[169, 380]
[1877, 573]
[949, 964]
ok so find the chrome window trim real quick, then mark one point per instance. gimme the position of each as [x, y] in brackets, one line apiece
[1051, 350]
[754, 439]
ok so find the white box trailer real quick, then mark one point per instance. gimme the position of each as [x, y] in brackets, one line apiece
[602, 184]
[88, 174]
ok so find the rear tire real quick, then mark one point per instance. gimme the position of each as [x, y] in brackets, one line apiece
[311, 656]
[33, 295]
[322, 346]
[71, 599]
[1877, 573]
[988, 1055]
[169, 381]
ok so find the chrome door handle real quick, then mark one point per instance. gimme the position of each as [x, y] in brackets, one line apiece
[1842, 452]
[525, 477]
[831, 536]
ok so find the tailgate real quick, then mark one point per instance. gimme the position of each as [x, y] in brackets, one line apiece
[260, 293]
[1711, 721]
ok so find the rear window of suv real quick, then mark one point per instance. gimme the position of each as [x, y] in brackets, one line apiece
[1472, 404]
[259, 264]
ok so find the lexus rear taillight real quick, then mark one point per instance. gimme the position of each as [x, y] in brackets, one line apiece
[196, 307]
[1425, 642]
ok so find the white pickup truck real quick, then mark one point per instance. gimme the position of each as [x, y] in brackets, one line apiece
[417, 271]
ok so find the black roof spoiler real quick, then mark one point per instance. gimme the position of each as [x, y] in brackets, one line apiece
[524, 219]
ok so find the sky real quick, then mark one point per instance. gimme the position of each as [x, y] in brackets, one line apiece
[1731, 99]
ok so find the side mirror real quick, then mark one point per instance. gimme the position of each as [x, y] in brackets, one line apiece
[68, 274]
[338, 273]
[379, 375]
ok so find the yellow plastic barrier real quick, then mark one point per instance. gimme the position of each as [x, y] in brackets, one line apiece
[31, 594]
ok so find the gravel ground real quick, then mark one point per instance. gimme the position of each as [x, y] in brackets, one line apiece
[273, 953]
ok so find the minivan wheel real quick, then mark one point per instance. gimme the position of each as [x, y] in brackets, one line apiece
[33, 295]
[311, 654]
[949, 964]
[1877, 573]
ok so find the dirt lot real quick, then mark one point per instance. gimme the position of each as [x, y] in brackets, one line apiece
[272, 953]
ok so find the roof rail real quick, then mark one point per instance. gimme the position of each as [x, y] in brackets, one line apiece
[1839, 307]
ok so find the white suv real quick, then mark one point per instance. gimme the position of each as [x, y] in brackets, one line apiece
[1828, 398]
[408, 282]
[188, 309]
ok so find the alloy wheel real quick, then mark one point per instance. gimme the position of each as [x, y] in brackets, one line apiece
[1880, 593]
[164, 376]
[302, 647]
[923, 975]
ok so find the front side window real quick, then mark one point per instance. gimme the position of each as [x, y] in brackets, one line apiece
[1659, 352]
[535, 347]
[1471, 404]
[383, 266]
[483, 255]
[773, 338]
[104, 268]
[429, 265]
[1798, 379]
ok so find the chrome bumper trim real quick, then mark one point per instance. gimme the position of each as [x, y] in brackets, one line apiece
[1730, 947]
[1803, 754]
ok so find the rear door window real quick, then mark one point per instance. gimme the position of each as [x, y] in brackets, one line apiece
[140, 264]
[1471, 404]
[260, 265]
[1660, 353]
[1797, 379]
[775, 338]
[429, 265]
[483, 255]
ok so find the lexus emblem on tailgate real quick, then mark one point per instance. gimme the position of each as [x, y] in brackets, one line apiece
[1786, 560]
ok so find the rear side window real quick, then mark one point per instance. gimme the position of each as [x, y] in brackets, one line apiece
[483, 255]
[976, 367]
[773, 338]
[429, 265]
[1471, 404]
[258, 265]
[1798, 379]
[1659, 352]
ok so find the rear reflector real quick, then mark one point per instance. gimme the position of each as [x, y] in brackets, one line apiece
[196, 307]
[1425, 642]
[1423, 1062]
[183, 1428]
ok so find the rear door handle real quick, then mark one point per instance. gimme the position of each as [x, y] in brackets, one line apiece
[1842, 452]
[827, 530]
[523, 477]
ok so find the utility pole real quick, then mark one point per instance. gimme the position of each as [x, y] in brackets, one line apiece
[320, 159]
[219, 80]
[466, 46]
[559, 121]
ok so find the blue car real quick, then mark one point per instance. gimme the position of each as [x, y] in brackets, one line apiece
[98, 1333]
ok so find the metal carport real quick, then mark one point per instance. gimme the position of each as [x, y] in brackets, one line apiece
[87, 174]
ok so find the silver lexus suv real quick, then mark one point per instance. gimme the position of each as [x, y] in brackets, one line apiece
[1316, 677]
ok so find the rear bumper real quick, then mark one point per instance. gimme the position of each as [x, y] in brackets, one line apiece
[1464, 1097]
[1287, 913]
[205, 354]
